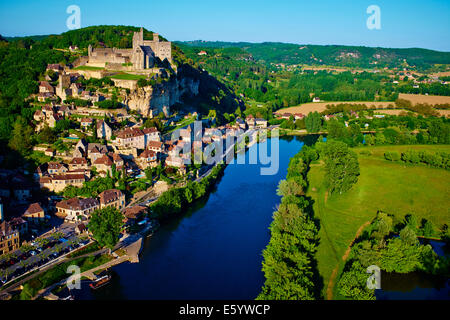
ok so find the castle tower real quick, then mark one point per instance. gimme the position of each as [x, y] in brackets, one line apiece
[155, 37]
[89, 50]
[138, 38]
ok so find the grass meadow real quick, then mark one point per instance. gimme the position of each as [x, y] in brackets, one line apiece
[392, 187]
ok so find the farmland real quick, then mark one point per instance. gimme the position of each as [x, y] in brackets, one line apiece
[421, 98]
[306, 108]
[391, 187]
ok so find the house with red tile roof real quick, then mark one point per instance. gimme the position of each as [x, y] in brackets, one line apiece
[34, 212]
[112, 198]
[76, 209]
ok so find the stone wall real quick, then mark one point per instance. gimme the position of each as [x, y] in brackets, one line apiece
[128, 84]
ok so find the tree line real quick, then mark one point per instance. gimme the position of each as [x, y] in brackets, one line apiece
[289, 264]
[437, 160]
[379, 245]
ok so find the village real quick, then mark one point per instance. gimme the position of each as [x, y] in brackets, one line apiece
[101, 143]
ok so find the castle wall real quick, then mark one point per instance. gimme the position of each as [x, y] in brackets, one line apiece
[141, 55]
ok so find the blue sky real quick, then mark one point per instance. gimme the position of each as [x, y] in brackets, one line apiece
[404, 23]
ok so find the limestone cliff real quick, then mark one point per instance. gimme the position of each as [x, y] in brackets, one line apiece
[150, 101]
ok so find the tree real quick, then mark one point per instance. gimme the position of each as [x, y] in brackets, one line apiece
[149, 173]
[21, 136]
[313, 122]
[336, 129]
[428, 228]
[105, 226]
[352, 283]
[341, 166]
[408, 236]
[46, 135]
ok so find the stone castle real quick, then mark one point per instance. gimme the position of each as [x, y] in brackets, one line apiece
[142, 56]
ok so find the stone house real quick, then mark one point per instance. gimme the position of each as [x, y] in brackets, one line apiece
[112, 198]
[76, 209]
[45, 87]
[96, 150]
[78, 163]
[86, 122]
[58, 182]
[9, 238]
[147, 158]
[34, 212]
[260, 123]
[103, 165]
[155, 146]
[56, 168]
[104, 131]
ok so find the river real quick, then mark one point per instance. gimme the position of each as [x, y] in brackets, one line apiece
[214, 250]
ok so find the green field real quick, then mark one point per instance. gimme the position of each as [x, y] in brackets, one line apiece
[392, 187]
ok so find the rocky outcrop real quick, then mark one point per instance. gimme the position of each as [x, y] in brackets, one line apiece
[151, 100]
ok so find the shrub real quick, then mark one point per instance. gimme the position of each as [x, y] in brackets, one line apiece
[392, 156]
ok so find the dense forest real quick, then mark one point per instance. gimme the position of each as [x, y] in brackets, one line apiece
[347, 56]
[273, 88]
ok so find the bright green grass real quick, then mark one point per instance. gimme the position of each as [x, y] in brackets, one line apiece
[128, 76]
[88, 68]
[392, 187]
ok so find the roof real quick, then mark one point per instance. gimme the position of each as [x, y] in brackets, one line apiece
[134, 212]
[77, 204]
[14, 222]
[45, 180]
[155, 144]
[105, 160]
[81, 227]
[147, 154]
[86, 120]
[55, 165]
[150, 130]
[101, 123]
[115, 156]
[46, 85]
[110, 195]
[33, 208]
[68, 177]
[130, 132]
[78, 161]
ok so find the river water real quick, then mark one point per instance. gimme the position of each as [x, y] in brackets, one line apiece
[214, 251]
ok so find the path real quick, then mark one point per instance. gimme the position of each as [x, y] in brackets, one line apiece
[344, 258]
[46, 268]
[132, 253]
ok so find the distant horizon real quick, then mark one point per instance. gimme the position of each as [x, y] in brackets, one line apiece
[402, 23]
[251, 42]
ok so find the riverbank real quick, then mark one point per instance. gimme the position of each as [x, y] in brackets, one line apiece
[212, 249]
